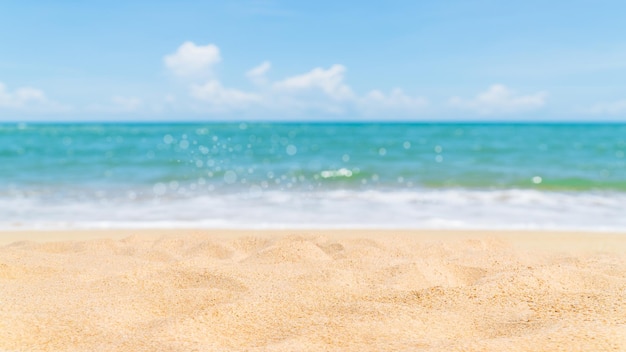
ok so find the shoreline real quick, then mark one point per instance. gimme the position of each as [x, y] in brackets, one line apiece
[550, 239]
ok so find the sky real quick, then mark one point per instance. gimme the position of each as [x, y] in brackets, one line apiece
[307, 61]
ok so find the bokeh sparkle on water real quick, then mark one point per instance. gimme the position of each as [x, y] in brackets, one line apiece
[273, 174]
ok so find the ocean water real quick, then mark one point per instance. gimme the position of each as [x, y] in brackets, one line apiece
[277, 175]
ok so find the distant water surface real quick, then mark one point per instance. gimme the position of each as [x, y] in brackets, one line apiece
[313, 175]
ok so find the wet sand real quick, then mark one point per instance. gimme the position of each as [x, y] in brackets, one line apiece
[312, 290]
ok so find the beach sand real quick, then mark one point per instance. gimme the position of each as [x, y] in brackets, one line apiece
[312, 290]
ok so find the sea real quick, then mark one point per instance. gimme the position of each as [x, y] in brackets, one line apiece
[313, 175]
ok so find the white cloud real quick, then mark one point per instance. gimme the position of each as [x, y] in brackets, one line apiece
[257, 74]
[612, 108]
[499, 99]
[329, 81]
[221, 98]
[21, 98]
[375, 101]
[29, 100]
[118, 104]
[318, 90]
[321, 90]
[192, 60]
[127, 103]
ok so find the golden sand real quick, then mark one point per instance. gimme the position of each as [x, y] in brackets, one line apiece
[312, 291]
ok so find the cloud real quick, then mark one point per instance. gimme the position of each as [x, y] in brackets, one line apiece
[612, 108]
[321, 90]
[29, 100]
[375, 101]
[117, 104]
[223, 98]
[192, 60]
[329, 81]
[127, 103]
[257, 74]
[318, 90]
[21, 98]
[498, 99]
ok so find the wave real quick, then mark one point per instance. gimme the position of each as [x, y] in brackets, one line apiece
[418, 209]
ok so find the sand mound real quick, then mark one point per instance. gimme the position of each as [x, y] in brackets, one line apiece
[291, 249]
[309, 291]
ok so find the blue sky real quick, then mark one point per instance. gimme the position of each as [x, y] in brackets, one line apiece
[329, 60]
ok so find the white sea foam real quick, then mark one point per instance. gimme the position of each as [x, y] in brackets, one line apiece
[426, 208]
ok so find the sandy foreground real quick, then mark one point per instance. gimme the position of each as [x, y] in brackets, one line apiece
[312, 290]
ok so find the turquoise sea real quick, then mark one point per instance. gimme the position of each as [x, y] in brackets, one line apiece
[414, 175]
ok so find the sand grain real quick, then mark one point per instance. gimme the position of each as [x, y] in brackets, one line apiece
[314, 290]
